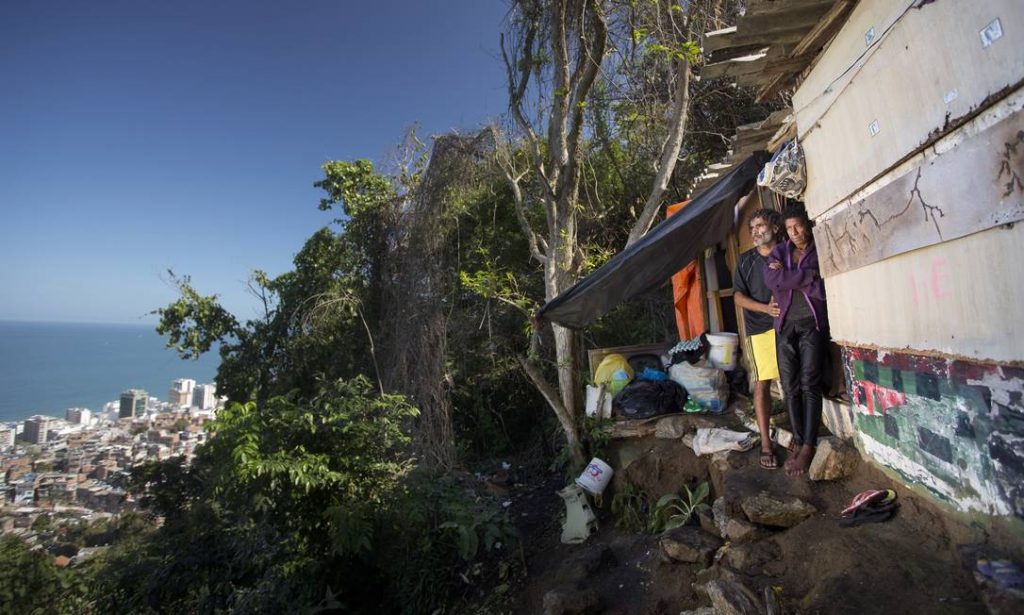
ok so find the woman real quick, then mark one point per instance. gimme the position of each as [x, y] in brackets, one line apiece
[801, 328]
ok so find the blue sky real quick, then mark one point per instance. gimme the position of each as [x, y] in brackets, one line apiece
[142, 135]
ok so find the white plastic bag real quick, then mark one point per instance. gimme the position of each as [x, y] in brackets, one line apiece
[705, 385]
[786, 172]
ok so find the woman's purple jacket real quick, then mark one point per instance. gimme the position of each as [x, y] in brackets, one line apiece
[785, 282]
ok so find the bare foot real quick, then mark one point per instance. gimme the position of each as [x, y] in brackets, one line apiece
[798, 465]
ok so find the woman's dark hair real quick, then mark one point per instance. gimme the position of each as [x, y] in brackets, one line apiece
[768, 215]
[796, 211]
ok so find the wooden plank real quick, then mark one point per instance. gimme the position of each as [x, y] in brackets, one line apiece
[975, 186]
[718, 39]
[784, 35]
[808, 47]
[735, 67]
[961, 298]
[761, 8]
[786, 132]
[805, 18]
[825, 29]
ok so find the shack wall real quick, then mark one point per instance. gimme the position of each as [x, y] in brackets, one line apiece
[915, 166]
[900, 85]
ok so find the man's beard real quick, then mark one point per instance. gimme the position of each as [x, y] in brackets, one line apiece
[763, 240]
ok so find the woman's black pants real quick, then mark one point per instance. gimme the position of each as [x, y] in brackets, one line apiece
[801, 353]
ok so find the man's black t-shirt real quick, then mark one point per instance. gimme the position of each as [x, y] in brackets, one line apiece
[749, 280]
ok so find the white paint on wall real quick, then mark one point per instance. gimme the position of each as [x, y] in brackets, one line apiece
[987, 501]
[963, 297]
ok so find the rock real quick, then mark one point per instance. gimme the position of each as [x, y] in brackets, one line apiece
[738, 530]
[733, 598]
[833, 460]
[673, 427]
[706, 519]
[571, 601]
[778, 512]
[582, 566]
[730, 527]
[747, 557]
[689, 544]
[771, 602]
[704, 610]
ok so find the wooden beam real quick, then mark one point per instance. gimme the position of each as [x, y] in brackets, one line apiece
[733, 68]
[826, 27]
[807, 48]
[777, 7]
[718, 39]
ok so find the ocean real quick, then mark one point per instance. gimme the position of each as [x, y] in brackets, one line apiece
[46, 368]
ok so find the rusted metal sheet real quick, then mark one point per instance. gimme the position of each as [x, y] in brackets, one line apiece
[977, 185]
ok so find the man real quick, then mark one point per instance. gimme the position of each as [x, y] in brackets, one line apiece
[759, 310]
[801, 331]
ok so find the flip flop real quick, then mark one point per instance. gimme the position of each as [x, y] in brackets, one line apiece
[869, 497]
[769, 461]
[870, 515]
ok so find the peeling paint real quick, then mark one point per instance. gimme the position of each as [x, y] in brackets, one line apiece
[955, 427]
[930, 203]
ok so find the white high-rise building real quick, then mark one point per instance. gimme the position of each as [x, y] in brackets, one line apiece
[6, 437]
[205, 397]
[78, 416]
[181, 392]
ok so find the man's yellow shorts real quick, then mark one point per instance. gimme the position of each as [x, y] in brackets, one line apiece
[761, 350]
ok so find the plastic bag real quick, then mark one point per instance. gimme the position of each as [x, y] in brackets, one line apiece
[786, 172]
[706, 385]
[642, 399]
[614, 371]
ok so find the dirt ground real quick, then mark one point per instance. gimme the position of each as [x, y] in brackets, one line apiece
[918, 562]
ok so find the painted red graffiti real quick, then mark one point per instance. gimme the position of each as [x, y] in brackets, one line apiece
[934, 285]
[885, 397]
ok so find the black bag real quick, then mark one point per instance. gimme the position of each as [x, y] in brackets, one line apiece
[642, 399]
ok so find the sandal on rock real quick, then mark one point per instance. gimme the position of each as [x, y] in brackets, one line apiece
[769, 461]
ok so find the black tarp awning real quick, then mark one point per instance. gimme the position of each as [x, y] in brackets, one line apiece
[659, 254]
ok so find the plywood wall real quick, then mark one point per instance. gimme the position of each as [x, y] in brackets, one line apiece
[971, 180]
[963, 298]
[929, 69]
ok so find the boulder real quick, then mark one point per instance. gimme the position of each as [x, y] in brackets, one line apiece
[733, 598]
[689, 544]
[706, 519]
[673, 427]
[776, 511]
[833, 460]
[584, 565]
[571, 600]
[751, 556]
[731, 527]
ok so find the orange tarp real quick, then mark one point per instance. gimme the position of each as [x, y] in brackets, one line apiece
[686, 293]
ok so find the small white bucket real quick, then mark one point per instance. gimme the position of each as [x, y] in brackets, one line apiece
[723, 350]
[595, 477]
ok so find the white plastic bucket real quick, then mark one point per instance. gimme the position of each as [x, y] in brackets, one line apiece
[595, 476]
[723, 350]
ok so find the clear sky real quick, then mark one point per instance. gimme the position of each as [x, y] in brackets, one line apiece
[142, 135]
